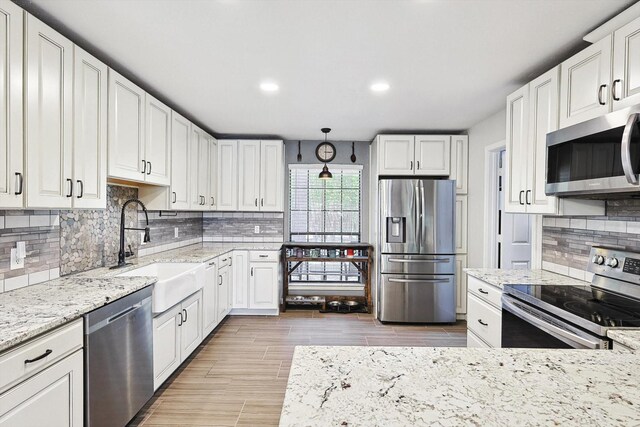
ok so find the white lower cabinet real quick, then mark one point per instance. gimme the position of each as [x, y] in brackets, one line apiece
[210, 298]
[484, 314]
[46, 391]
[461, 284]
[263, 285]
[255, 282]
[240, 267]
[224, 291]
[176, 333]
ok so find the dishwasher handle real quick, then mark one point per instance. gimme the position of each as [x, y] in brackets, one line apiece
[128, 311]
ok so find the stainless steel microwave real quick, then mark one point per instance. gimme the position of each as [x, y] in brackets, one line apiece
[597, 158]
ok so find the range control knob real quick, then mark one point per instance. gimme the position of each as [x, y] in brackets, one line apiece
[598, 259]
[612, 262]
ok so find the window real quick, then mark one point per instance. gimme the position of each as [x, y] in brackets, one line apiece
[325, 211]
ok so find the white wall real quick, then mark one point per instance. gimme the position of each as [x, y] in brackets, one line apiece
[487, 132]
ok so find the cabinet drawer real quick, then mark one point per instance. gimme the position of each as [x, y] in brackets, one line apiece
[264, 256]
[55, 345]
[474, 342]
[485, 321]
[485, 291]
[224, 260]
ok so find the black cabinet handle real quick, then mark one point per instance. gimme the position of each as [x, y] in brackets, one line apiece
[175, 197]
[600, 89]
[70, 181]
[219, 280]
[411, 164]
[613, 90]
[251, 271]
[482, 323]
[256, 202]
[149, 173]
[520, 197]
[81, 184]
[262, 202]
[181, 322]
[211, 200]
[20, 183]
[186, 315]
[482, 291]
[527, 197]
[263, 256]
[144, 167]
[418, 165]
[42, 356]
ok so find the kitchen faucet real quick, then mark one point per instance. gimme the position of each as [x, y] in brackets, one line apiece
[147, 238]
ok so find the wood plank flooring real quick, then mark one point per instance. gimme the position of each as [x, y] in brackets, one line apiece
[238, 375]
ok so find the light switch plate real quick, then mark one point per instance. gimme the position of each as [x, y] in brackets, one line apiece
[256, 229]
[16, 262]
[175, 232]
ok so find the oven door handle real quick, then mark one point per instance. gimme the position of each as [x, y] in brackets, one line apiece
[547, 327]
[625, 154]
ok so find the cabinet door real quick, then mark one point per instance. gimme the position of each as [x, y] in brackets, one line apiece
[195, 197]
[157, 151]
[191, 328]
[516, 150]
[625, 88]
[11, 143]
[248, 175]
[433, 154]
[180, 132]
[203, 170]
[461, 224]
[543, 118]
[263, 285]
[210, 299]
[396, 154]
[223, 293]
[53, 397]
[227, 175]
[584, 84]
[461, 284]
[49, 116]
[126, 129]
[460, 162]
[166, 344]
[213, 173]
[89, 131]
[271, 176]
[240, 266]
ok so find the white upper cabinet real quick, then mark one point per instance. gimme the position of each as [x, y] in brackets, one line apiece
[516, 144]
[227, 175]
[49, 116]
[195, 197]
[585, 84]
[249, 175]
[11, 143]
[203, 170]
[396, 154]
[126, 129]
[625, 90]
[432, 154]
[213, 173]
[89, 131]
[180, 133]
[271, 176]
[460, 162]
[157, 149]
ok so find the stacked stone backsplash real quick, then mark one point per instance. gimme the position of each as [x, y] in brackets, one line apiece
[566, 241]
[240, 227]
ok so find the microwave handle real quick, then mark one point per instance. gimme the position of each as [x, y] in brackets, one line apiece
[629, 173]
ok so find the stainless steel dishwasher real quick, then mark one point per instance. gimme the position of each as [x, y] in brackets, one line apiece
[118, 341]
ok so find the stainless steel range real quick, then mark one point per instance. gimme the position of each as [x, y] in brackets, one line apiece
[549, 316]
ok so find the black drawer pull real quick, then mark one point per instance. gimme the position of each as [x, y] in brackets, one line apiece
[21, 182]
[482, 291]
[42, 356]
[263, 256]
[482, 323]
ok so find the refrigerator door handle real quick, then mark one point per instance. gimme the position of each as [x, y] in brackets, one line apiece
[422, 210]
[416, 214]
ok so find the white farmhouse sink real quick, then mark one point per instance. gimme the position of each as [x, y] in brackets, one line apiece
[176, 281]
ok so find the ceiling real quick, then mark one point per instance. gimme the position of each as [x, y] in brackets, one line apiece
[449, 63]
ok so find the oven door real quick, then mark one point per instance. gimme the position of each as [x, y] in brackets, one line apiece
[526, 326]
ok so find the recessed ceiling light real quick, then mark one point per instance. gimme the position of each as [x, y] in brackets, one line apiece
[380, 87]
[269, 87]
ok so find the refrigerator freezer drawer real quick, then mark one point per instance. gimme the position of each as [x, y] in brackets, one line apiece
[418, 264]
[425, 299]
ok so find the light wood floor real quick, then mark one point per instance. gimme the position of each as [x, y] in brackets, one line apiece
[238, 375]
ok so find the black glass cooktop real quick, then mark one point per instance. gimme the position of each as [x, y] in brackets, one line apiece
[591, 304]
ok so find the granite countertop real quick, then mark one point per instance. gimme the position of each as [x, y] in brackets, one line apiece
[30, 311]
[627, 337]
[401, 386]
[499, 277]
[33, 310]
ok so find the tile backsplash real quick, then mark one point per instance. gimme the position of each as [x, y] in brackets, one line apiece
[241, 227]
[566, 241]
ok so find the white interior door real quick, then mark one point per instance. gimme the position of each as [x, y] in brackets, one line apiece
[433, 155]
[11, 143]
[249, 175]
[89, 131]
[157, 151]
[626, 65]
[180, 131]
[49, 117]
[271, 176]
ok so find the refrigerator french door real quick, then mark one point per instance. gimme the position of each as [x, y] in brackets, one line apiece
[417, 246]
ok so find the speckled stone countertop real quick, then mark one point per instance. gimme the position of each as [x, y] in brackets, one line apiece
[499, 278]
[33, 310]
[408, 386]
[627, 337]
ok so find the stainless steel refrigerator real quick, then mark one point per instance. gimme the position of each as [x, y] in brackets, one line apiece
[416, 281]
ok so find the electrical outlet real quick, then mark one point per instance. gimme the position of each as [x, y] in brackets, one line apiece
[256, 229]
[175, 232]
[15, 261]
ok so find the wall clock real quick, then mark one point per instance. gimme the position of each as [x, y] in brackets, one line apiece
[325, 152]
